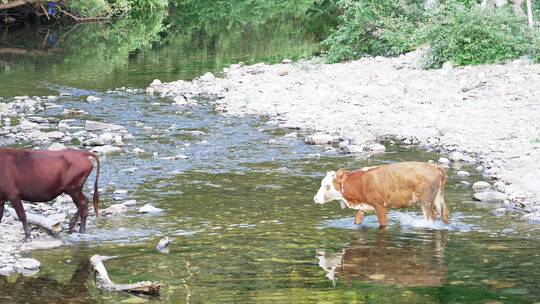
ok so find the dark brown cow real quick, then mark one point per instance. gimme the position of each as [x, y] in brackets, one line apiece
[40, 176]
[398, 185]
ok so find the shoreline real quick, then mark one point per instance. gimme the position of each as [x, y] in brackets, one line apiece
[485, 115]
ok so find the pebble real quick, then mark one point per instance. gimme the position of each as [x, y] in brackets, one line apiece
[91, 125]
[321, 139]
[463, 173]
[107, 150]
[481, 186]
[93, 99]
[116, 209]
[444, 160]
[148, 208]
[491, 197]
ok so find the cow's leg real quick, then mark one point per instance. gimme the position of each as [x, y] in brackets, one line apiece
[82, 209]
[2, 204]
[73, 220]
[19, 209]
[381, 215]
[429, 213]
[83, 212]
[75, 217]
[359, 217]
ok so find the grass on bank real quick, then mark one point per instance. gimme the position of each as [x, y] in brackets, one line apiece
[461, 32]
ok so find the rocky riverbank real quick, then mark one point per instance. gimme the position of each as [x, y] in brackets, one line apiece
[488, 115]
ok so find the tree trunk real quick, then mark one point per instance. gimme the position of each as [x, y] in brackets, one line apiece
[104, 282]
[529, 13]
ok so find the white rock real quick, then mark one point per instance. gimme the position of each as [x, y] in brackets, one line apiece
[481, 186]
[56, 146]
[377, 148]
[138, 151]
[207, 77]
[116, 209]
[351, 149]
[463, 173]
[107, 137]
[107, 149]
[128, 137]
[291, 135]
[27, 264]
[120, 191]
[149, 209]
[93, 99]
[456, 156]
[91, 125]
[7, 270]
[444, 160]
[492, 197]
[130, 203]
[156, 82]
[118, 141]
[180, 100]
[321, 138]
[27, 125]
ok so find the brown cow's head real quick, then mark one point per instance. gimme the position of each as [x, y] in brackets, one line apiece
[330, 187]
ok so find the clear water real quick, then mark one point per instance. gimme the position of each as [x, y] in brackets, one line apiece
[241, 215]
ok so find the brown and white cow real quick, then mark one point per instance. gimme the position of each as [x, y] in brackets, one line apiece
[398, 185]
[40, 176]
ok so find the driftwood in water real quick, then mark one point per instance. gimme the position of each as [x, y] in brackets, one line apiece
[49, 225]
[102, 277]
[163, 245]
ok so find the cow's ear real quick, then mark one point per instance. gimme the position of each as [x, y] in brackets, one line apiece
[340, 173]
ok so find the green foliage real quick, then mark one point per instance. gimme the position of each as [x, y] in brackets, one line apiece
[98, 8]
[374, 27]
[457, 30]
[89, 8]
[475, 36]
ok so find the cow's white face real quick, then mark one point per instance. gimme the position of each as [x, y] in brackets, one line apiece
[327, 192]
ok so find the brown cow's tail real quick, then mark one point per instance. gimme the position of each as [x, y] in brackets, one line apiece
[440, 204]
[96, 192]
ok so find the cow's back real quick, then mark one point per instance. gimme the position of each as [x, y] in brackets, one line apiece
[41, 175]
[396, 185]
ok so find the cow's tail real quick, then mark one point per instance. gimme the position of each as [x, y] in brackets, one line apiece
[95, 198]
[440, 204]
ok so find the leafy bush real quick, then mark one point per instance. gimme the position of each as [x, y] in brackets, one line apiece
[475, 36]
[90, 8]
[98, 8]
[374, 27]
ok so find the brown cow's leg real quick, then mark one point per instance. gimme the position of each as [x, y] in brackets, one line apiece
[2, 204]
[73, 220]
[82, 210]
[19, 209]
[429, 213]
[381, 215]
[359, 217]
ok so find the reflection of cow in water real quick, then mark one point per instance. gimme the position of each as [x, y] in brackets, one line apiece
[43, 289]
[414, 261]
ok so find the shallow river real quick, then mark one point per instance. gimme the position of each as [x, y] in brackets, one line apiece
[245, 228]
